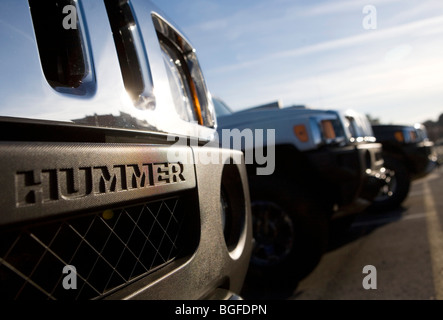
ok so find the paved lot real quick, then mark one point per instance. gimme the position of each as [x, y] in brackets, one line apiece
[405, 246]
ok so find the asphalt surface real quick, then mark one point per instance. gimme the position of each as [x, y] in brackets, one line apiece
[405, 246]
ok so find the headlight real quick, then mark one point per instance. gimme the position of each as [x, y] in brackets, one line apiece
[191, 97]
[328, 129]
[413, 136]
[179, 87]
[233, 209]
[331, 131]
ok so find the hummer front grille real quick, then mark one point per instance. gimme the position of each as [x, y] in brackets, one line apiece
[108, 250]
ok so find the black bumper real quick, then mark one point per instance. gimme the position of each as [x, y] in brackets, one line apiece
[352, 175]
[422, 158]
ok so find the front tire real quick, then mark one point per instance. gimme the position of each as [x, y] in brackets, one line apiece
[397, 187]
[290, 232]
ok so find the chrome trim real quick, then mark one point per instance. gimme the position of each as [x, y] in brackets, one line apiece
[26, 93]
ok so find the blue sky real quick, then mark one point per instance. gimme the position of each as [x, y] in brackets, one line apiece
[318, 53]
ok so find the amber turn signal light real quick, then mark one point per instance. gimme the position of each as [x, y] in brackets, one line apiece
[301, 133]
[399, 136]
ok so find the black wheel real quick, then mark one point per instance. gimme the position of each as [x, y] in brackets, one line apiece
[397, 185]
[273, 234]
[290, 233]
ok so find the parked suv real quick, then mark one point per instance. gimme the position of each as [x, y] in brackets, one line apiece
[315, 171]
[408, 155]
[104, 113]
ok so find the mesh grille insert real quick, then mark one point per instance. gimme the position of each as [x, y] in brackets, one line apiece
[108, 250]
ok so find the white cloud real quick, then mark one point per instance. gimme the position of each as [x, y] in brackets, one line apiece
[340, 7]
[422, 27]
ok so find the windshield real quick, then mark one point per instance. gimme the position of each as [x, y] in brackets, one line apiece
[221, 109]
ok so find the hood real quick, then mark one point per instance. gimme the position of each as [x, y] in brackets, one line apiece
[244, 117]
